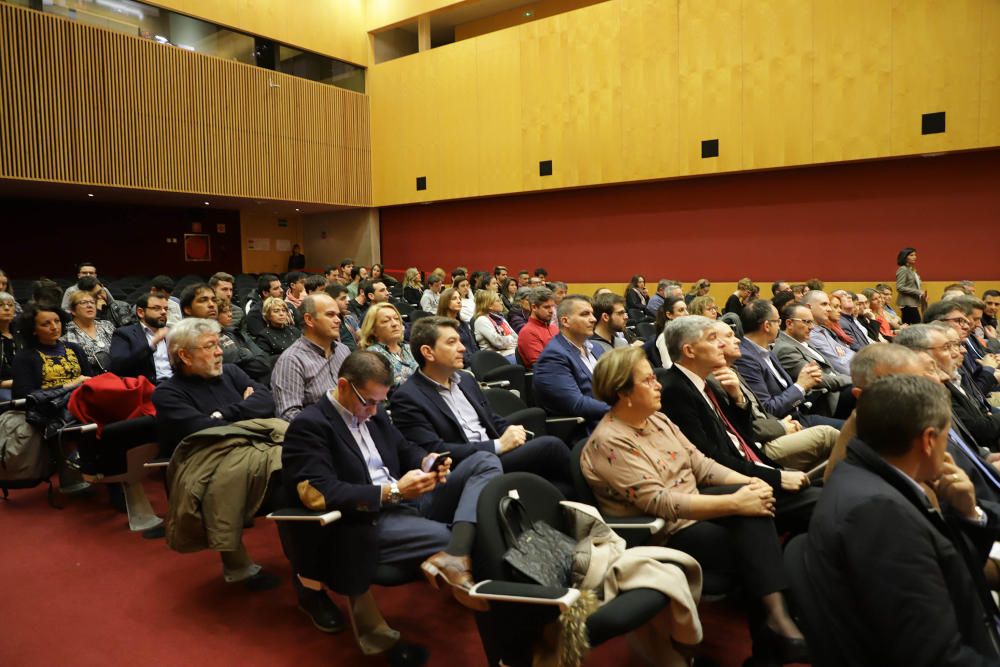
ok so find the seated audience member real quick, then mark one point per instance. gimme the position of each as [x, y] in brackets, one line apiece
[896, 577]
[5, 287]
[697, 351]
[656, 300]
[520, 309]
[779, 286]
[991, 299]
[821, 338]
[535, 281]
[790, 442]
[799, 289]
[315, 284]
[10, 344]
[564, 370]
[760, 368]
[835, 326]
[91, 334]
[542, 274]
[508, 295]
[890, 312]
[296, 289]
[432, 295]
[492, 331]
[46, 362]
[268, 286]
[441, 409]
[863, 317]
[346, 266]
[540, 327]
[309, 367]
[354, 281]
[376, 291]
[358, 303]
[223, 284]
[198, 300]
[736, 300]
[978, 358]
[877, 313]
[638, 462]
[559, 291]
[279, 333]
[412, 289]
[163, 286]
[468, 300]
[673, 307]
[849, 323]
[523, 278]
[488, 283]
[382, 333]
[102, 297]
[980, 378]
[140, 349]
[612, 318]
[83, 270]
[205, 393]
[635, 293]
[349, 326]
[332, 274]
[378, 274]
[500, 273]
[450, 306]
[393, 511]
[794, 352]
[704, 306]
[238, 348]
[699, 288]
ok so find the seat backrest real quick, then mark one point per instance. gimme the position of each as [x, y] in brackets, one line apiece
[733, 320]
[661, 374]
[645, 330]
[417, 314]
[484, 361]
[580, 485]
[503, 401]
[541, 502]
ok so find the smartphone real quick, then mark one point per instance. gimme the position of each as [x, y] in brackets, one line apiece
[436, 462]
[530, 434]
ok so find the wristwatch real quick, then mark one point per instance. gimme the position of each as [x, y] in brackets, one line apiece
[395, 495]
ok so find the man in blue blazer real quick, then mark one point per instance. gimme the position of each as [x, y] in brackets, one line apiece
[141, 349]
[565, 369]
[342, 453]
[440, 409]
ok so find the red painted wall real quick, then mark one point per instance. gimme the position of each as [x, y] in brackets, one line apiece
[837, 222]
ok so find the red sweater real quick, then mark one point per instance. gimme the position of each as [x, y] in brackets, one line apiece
[532, 339]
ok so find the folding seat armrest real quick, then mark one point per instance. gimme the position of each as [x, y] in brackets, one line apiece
[653, 524]
[562, 420]
[509, 591]
[78, 428]
[496, 384]
[304, 515]
[157, 463]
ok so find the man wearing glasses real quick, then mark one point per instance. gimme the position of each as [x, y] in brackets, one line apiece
[979, 378]
[794, 352]
[140, 349]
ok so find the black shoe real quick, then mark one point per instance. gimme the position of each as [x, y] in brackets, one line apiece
[321, 610]
[771, 648]
[404, 654]
[154, 533]
[262, 581]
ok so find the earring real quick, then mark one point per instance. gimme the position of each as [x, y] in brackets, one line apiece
[628, 401]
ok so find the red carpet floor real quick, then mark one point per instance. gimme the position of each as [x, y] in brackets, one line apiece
[77, 588]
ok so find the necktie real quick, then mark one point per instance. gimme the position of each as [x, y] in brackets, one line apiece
[748, 451]
[988, 471]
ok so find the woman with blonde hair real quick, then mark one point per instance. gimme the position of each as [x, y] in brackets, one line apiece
[704, 306]
[412, 289]
[638, 462]
[382, 332]
[91, 334]
[493, 332]
[279, 331]
[744, 290]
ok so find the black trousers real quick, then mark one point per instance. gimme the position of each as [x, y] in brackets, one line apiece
[746, 548]
[910, 315]
[546, 456]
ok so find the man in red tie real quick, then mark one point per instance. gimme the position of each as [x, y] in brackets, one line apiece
[697, 351]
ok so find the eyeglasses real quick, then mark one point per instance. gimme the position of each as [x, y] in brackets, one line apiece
[209, 347]
[776, 320]
[365, 402]
[961, 321]
[86, 302]
[808, 323]
[951, 346]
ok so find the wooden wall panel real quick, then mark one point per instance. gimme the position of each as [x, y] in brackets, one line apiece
[79, 104]
[777, 83]
[852, 79]
[989, 115]
[448, 122]
[710, 84]
[498, 90]
[936, 48]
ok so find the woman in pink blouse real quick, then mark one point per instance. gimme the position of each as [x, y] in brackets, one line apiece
[638, 462]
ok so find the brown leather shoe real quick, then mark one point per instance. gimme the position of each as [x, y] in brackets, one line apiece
[455, 572]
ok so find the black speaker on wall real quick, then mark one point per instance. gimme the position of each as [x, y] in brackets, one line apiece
[421, 182]
[932, 123]
[545, 168]
[710, 148]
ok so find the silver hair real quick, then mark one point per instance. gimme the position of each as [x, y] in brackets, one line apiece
[685, 331]
[874, 361]
[812, 295]
[6, 297]
[186, 334]
[540, 295]
[915, 336]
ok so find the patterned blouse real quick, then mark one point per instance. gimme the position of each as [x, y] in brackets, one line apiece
[654, 470]
[403, 364]
[98, 349]
[59, 367]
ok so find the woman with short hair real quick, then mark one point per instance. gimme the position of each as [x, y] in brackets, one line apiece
[492, 331]
[279, 332]
[704, 306]
[9, 344]
[47, 361]
[382, 332]
[91, 334]
[637, 462]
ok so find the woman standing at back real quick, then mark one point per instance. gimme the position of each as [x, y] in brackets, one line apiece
[912, 296]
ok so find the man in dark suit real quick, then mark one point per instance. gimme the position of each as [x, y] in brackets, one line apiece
[441, 409]
[898, 580]
[980, 379]
[565, 369]
[342, 453]
[141, 349]
[697, 351]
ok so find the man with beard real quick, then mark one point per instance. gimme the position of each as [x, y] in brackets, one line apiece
[140, 349]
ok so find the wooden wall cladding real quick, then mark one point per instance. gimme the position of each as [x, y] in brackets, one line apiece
[84, 105]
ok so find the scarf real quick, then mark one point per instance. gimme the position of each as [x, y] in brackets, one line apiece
[839, 332]
[292, 299]
[500, 324]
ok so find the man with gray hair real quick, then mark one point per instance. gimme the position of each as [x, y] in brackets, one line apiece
[895, 578]
[697, 349]
[849, 322]
[540, 328]
[822, 338]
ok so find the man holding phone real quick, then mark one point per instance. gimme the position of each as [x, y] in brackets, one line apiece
[397, 500]
[441, 408]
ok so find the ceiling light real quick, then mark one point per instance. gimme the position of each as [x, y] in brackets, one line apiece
[90, 194]
[206, 203]
[296, 209]
[528, 14]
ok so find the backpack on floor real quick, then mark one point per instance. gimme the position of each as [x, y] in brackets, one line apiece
[24, 459]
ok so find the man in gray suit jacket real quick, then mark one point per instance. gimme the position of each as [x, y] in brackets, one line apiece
[794, 352]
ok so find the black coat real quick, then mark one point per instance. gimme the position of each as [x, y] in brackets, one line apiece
[321, 455]
[984, 428]
[687, 408]
[897, 582]
[131, 356]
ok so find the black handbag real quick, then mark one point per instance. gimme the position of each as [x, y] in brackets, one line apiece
[536, 551]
